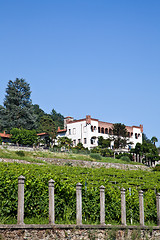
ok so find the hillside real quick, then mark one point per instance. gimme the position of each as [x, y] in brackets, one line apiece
[66, 177]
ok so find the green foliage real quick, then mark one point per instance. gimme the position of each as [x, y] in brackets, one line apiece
[104, 152]
[0, 141]
[121, 155]
[103, 143]
[47, 125]
[66, 177]
[57, 118]
[18, 110]
[125, 158]
[23, 136]
[20, 153]
[157, 168]
[120, 135]
[95, 156]
[148, 150]
[154, 140]
[65, 142]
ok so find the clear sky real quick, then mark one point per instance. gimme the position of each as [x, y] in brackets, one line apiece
[97, 57]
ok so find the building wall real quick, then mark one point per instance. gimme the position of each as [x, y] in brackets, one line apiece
[88, 130]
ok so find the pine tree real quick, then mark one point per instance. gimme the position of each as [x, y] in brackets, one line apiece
[18, 106]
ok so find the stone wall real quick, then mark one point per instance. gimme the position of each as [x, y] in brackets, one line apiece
[77, 232]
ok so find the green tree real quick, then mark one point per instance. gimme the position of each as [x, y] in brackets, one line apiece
[23, 136]
[103, 143]
[47, 125]
[65, 142]
[57, 118]
[18, 110]
[120, 135]
[154, 140]
[2, 118]
[39, 113]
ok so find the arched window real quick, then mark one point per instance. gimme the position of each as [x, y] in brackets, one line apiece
[110, 131]
[106, 130]
[102, 130]
[99, 130]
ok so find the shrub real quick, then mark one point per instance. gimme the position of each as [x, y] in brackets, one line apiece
[20, 153]
[125, 158]
[118, 156]
[95, 156]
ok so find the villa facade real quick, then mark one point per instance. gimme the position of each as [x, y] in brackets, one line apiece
[87, 131]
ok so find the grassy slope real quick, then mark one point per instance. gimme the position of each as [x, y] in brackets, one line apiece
[32, 156]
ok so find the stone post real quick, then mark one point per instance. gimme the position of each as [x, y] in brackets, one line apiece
[79, 204]
[102, 205]
[141, 208]
[123, 207]
[51, 201]
[20, 212]
[138, 158]
[158, 208]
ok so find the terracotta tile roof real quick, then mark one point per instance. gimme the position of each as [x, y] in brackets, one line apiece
[4, 135]
[61, 130]
[41, 134]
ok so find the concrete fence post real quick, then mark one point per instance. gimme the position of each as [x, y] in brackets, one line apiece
[20, 212]
[102, 205]
[79, 203]
[158, 208]
[51, 201]
[123, 206]
[141, 208]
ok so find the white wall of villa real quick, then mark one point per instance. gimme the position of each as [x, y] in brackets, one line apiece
[88, 130]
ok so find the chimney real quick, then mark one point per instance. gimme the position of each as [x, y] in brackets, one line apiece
[141, 127]
[88, 119]
[67, 120]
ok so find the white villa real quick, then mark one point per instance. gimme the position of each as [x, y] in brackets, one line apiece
[87, 131]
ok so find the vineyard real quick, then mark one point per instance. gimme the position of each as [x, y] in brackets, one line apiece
[66, 177]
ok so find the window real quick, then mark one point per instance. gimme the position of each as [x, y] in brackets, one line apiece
[136, 137]
[102, 130]
[79, 140]
[106, 130]
[85, 140]
[95, 128]
[69, 131]
[139, 134]
[131, 134]
[128, 134]
[93, 140]
[99, 130]
[84, 129]
[74, 131]
[110, 131]
[74, 142]
[91, 128]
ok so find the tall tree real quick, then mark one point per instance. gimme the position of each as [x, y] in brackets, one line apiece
[47, 125]
[120, 135]
[57, 118]
[2, 120]
[154, 140]
[18, 105]
[39, 113]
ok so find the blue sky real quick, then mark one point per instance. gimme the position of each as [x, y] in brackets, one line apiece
[85, 57]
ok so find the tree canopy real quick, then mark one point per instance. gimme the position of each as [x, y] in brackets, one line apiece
[47, 125]
[18, 110]
[120, 135]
